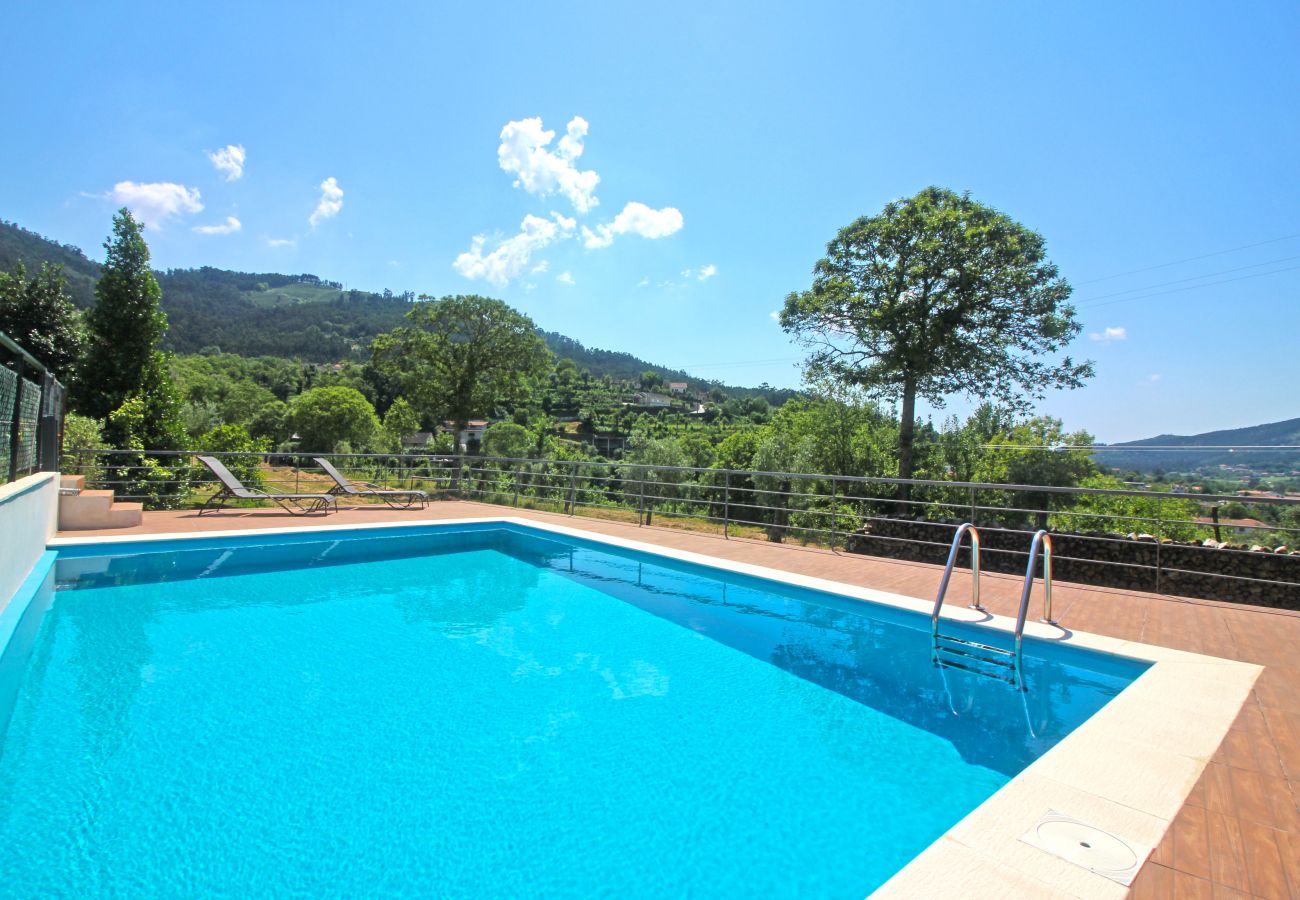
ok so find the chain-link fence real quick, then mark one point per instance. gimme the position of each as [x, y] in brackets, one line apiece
[31, 413]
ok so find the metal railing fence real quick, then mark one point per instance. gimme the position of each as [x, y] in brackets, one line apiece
[31, 413]
[835, 511]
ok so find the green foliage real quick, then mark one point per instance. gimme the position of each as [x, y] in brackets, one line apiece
[779, 453]
[656, 484]
[509, 440]
[1167, 516]
[244, 401]
[1033, 453]
[847, 434]
[18, 245]
[399, 422]
[936, 295]
[134, 474]
[82, 434]
[736, 450]
[271, 422]
[125, 325]
[463, 357]
[40, 316]
[236, 439]
[328, 417]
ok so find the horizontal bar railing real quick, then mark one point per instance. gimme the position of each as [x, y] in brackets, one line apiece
[814, 508]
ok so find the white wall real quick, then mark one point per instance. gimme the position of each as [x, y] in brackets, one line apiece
[29, 514]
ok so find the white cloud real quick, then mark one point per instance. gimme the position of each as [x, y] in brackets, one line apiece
[644, 282]
[156, 202]
[331, 201]
[775, 315]
[565, 278]
[230, 226]
[542, 172]
[1150, 380]
[708, 272]
[511, 256]
[280, 242]
[229, 159]
[636, 218]
[540, 268]
[1109, 334]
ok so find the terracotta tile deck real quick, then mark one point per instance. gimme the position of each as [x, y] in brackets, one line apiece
[1238, 834]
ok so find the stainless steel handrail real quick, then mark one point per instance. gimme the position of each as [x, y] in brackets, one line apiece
[962, 530]
[1044, 540]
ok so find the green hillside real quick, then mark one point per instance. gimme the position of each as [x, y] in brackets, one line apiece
[301, 317]
[17, 244]
[1131, 455]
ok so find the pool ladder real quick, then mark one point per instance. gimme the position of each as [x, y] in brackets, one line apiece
[948, 651]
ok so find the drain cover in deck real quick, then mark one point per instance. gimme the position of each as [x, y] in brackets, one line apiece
[1087, 846]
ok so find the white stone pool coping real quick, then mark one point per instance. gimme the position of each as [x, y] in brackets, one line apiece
[1126, 770]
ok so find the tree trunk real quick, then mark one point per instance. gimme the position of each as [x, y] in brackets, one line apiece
[906, 437]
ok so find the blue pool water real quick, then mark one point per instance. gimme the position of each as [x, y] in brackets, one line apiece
[487, 712]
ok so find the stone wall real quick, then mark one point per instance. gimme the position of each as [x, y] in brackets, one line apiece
[1196, 569]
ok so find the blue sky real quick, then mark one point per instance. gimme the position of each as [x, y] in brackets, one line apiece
[1154, 145]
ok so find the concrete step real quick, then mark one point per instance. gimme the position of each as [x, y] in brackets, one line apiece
[96, 509]
[125, 515]
[72, 482]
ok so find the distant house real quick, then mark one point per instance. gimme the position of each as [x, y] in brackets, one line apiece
[472, 433]
[651, 399]
[1242, 528]
[678, 387]
[418, 441]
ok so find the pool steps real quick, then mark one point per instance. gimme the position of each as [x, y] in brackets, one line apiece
[80, 509]
[949, 651]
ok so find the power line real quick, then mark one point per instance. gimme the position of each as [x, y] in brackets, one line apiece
[743, 362]
[1161, 284]
[1127, 448]
[1189, 287]
[1188, 259]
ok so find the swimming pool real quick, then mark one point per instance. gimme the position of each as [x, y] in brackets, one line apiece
[489, 710]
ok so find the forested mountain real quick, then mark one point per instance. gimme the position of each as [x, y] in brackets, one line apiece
[17, 244]
[300, 317]
[1131, 455]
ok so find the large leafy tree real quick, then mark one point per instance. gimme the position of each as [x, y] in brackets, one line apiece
[937, 295]
[463, 357]
[39, 315]
[326, 418]
[123, 362]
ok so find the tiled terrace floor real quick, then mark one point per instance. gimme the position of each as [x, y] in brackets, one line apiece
[1238, 835]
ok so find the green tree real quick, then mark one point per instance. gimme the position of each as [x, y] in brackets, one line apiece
[157, 481]
[81, 435]
[1167, 516]
[666, 483]
[126, 323]
[39, 315]
[509, 440]
[1035, 452]
[328, 417]
[463, 357]
[271, 422]
[243, 401]
[778, 454]
[937, 295]
[400, 422]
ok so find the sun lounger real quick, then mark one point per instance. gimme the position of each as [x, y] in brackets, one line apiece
[394, 498]
[233, 489]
